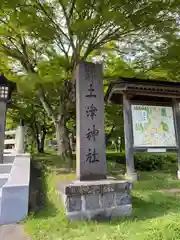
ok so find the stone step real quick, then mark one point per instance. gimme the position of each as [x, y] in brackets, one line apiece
[3, 178]
[5, 168]
[8, 158]
[4, 175]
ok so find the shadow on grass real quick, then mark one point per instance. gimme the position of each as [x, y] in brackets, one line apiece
[157, 180]
[115, 170]
[39, 203]
[148, 210]
[152, 198]
[55, 162]
[157, 205]
[148, 201]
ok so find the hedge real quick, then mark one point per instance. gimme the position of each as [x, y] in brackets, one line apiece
[146, 161]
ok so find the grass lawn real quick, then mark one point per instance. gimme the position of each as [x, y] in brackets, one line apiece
[156, 212]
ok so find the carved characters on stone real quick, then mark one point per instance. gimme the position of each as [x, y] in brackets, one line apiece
[92, 133]
[91, 91]
[92, 156]
[90, 72]
[91, 111]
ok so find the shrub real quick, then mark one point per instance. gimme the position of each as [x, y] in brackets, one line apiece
[146, 161]
[38, 186]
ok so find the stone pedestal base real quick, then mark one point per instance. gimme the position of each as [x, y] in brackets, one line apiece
[131, 176]
[97, 200]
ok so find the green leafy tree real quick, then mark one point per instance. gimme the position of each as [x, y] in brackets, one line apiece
[38, 38]
[35, 118]
[167, 61]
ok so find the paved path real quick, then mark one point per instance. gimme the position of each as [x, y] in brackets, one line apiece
[12, 232]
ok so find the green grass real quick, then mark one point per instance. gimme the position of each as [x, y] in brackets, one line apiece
[156, 213]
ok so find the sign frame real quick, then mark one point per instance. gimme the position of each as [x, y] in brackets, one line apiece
[155, 149]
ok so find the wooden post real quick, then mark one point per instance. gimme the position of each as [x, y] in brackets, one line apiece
[177, 128]
[128, 133]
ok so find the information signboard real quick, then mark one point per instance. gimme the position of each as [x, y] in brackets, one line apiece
[153, 126]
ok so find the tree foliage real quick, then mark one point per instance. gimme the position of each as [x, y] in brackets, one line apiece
[41, 42]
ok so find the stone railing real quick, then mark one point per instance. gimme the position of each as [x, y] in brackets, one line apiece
[14, 179]
[10, 141]
[14, 194]
[14, 140]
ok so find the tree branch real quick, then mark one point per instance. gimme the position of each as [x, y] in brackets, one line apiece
[55, 24]
[68, 26]
[45, 104]
[110, 133]
[72, 9]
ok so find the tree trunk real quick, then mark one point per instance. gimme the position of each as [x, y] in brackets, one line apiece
[63, 143]
[64, 148]
[40, 141]
[72, 142]
[108, 136]
[37, 142]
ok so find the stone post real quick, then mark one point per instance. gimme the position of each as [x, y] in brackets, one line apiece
[128, 132]
[20, 134]
[2, 128]
[90, 136]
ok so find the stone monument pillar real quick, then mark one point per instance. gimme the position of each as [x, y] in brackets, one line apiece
[92, 195]
[2, 128]
[90, 137]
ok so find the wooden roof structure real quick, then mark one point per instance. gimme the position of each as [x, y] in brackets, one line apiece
[139, 89]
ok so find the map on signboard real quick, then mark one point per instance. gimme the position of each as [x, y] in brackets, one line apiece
[153, 126]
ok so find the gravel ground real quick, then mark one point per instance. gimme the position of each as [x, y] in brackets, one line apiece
[12, 232]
